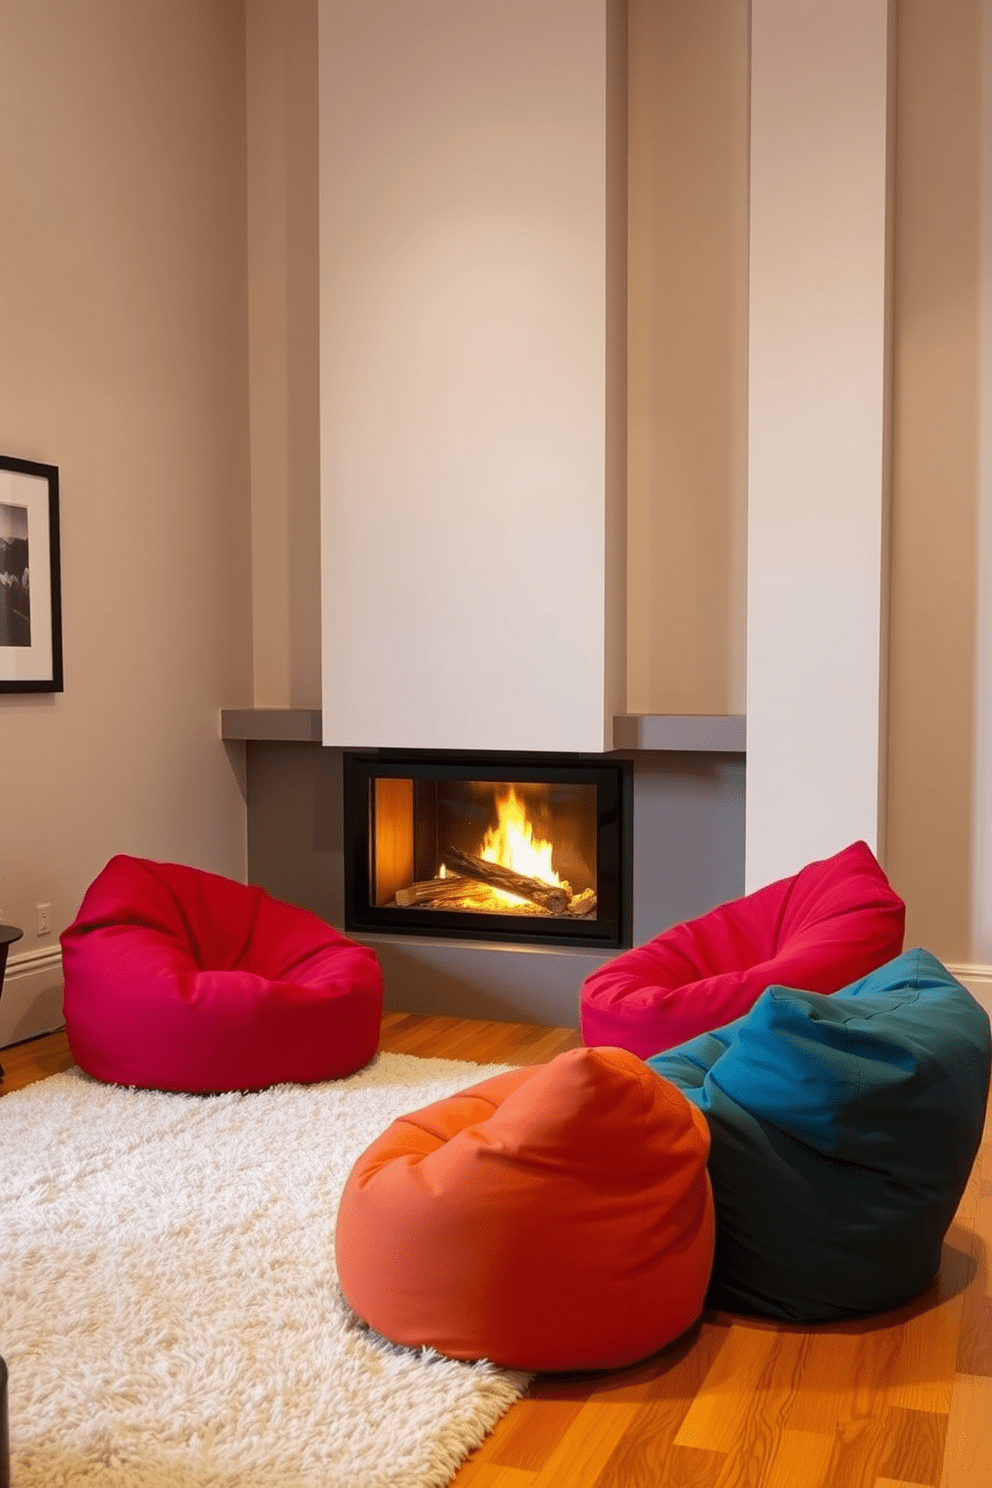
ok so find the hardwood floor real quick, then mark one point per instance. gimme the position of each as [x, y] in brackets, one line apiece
[897, 1401]
[34, 1060]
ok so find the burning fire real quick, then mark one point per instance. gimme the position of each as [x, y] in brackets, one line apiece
[510, 855]
[512, 844]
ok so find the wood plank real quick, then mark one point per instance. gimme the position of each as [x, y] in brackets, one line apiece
[800, 1457]
[518, 1044]
[832, 1365]
[450, 1038]
[35, 1059]
[509, 1043]
[673, 1374]
[968, 1448]
[477, 1473]
[860, 1447]
[922, 1370]
[555, 1041]
[896, 1483]
[853, 1374]
[498, 1044]
[916, 1451]
[433, 1038]
[756, 1370]
[579, 1457]
[395, 1028]
[975, 1342]
[533, 1431]
[664, 1388]
[681, 1467]
[976, 1190]
[416, 1031]
[761, 1434]
[479, 1047]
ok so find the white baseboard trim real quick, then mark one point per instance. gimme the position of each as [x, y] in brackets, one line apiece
[978, 980]
[31, 1001]
[25, 963]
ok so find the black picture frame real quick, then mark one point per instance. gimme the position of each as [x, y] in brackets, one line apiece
[30, 577]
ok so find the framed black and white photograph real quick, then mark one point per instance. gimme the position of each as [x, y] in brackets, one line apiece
[30, 584]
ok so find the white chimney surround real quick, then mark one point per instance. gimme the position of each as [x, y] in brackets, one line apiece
[464, 238]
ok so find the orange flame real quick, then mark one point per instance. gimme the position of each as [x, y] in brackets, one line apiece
[512, 844]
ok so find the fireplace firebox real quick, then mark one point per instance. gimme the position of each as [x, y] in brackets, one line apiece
[524, 847]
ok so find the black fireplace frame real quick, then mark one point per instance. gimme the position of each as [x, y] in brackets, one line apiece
[613, 779]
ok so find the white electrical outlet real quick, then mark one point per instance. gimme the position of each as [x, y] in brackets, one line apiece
[44, 912]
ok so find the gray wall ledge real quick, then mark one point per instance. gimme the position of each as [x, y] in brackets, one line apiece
[724, 733]
[293, 725]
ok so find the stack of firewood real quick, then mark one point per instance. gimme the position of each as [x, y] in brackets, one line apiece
[469, 879]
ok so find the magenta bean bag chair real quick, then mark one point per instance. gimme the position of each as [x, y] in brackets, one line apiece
[835, 921]
[177, 979]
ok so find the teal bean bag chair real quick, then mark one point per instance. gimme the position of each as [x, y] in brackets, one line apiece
[843, 1131]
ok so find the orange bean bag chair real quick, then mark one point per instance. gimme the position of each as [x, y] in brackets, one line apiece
[555, 1217]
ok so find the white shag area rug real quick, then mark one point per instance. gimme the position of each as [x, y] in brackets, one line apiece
[169, 1306]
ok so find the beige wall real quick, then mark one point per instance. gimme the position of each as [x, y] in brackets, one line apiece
[284, 353]
[934, 767]
[124, 362]
[981, 884]
[687, 356]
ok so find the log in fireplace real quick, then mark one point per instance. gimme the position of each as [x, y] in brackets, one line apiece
[524, 847]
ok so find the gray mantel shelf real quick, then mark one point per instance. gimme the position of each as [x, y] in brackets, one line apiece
[705, 732]
[282, 725]
[690, 732]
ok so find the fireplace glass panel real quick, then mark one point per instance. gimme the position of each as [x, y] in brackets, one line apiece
[462, 848]
[543, 832]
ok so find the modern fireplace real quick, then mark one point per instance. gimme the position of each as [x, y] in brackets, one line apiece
[523, 848]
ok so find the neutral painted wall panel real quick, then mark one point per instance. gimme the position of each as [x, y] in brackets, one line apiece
[687, 356]
[981, 948]
[817, 371]
[124, 362]
[936, 768]
[463, 372]
[284, 350]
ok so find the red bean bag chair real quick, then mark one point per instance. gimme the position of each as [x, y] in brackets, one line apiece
[177, 979]
[835, 921]
[556, 1217]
